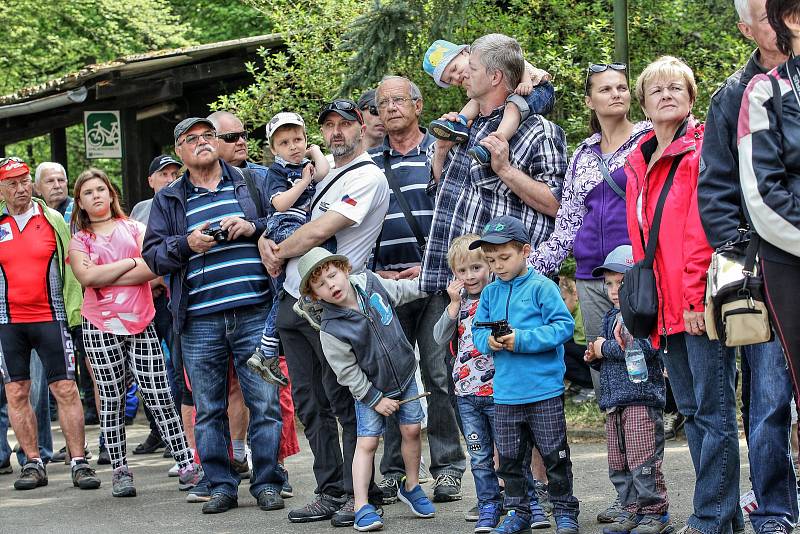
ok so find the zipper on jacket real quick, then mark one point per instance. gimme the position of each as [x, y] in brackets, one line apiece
[508, 300]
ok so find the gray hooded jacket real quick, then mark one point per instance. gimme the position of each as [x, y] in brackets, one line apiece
[367, 349]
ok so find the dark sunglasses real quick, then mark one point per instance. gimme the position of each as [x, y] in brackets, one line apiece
[340, 104]
[232, 137]
[597, 68]
[372, 110]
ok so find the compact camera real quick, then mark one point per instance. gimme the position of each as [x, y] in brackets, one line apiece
[220, 235]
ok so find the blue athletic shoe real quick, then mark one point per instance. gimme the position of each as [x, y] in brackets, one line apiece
[538, 518]
[481, 155]
[367, 519]
[416, 500]
[513, 524]
[488, 517]
[455, 131]
[567, 525]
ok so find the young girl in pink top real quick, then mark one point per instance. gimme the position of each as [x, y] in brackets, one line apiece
[118, 332]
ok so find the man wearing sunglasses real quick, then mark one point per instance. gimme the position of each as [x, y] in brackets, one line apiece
[350, 205]
[202, 231]
[373, 135]
[232, 145]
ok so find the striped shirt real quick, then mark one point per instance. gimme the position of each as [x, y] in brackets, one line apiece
[230, 274]
[399, 248]
[469, 195]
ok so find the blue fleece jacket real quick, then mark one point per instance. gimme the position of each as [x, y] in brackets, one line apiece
[532, 304]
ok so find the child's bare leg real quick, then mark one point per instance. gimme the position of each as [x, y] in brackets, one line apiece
[411, 448]
[363, 463]
[510, 122]
[471, 110]
[537, 466]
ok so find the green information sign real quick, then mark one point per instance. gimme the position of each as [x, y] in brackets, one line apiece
[103, 134]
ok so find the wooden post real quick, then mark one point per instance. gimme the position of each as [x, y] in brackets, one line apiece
[133, 167]
[58, 146]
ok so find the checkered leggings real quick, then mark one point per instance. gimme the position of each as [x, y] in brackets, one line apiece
[111, 357]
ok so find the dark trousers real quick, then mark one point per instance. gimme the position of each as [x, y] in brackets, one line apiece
[577, 369]
[319, 408]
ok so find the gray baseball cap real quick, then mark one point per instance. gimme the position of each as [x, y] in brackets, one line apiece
[501, 230]
[187, 123]
[618, 260]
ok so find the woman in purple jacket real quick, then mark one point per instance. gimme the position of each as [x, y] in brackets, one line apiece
[591, 220]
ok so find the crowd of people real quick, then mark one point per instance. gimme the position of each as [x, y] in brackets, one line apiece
[243, 295]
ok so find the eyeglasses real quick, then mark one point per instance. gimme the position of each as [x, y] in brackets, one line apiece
[396, 100]
[15, 159]
[192, 139]
[372, 110]
[597, 68]
[232, 137]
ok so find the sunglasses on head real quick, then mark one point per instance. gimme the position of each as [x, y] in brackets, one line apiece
[597, 68]
[232, 137]
[15, 159]
[342, 105]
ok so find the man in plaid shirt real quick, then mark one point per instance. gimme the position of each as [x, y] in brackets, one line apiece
[525, 177]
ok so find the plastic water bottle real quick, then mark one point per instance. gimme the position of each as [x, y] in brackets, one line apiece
[634, 356]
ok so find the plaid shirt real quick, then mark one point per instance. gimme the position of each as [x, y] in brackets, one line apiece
[469, 195]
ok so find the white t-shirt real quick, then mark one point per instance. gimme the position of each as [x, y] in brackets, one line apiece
[361, 195]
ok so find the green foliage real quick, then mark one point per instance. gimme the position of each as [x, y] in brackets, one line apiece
[346, 47]
[210, 21]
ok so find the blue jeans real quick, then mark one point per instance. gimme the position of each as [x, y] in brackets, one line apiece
[41, 406]
[702, 378]
[477, 418]
[771, 469]
[207, 342]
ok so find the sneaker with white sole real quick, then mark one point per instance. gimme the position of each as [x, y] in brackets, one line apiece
[122, 482]
[173, 471]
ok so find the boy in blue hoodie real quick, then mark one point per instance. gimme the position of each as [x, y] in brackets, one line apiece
[635, 418]
[529, 373]
[365, 346]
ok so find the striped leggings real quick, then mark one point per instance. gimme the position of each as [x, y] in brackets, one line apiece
[112, 357]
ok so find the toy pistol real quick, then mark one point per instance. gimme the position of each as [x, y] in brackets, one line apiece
[499, 328]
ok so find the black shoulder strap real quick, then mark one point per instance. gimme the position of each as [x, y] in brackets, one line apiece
[650, 250]
[410, 219]
[607, 177]
[336, 179]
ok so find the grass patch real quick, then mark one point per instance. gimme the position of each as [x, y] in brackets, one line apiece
[585, 416]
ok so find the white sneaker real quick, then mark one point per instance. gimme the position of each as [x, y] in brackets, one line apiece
[173, 471]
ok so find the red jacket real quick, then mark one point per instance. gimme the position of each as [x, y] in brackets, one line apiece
[683, 252]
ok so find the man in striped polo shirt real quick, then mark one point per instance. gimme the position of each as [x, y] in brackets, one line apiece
[404, 156]
[202, 231]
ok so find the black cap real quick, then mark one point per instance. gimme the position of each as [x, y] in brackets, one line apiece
[501, 230]
[344, 107]
[185, 124]
[160, 162]
[367, 99]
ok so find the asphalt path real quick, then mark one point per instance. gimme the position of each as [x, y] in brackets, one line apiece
[161, 508]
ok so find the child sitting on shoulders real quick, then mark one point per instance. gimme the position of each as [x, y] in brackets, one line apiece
[635, 419]
[291, 183]
[531, 323]
[473, 374]
[446, 63]
[364, 344]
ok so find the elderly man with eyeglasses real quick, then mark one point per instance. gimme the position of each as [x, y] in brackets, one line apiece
[202, 231]
[350, 204]
[41, 302]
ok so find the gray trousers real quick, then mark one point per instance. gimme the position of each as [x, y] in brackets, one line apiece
[447, 455]
[594, 306]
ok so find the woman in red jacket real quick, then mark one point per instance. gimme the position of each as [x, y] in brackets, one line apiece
[701, 378]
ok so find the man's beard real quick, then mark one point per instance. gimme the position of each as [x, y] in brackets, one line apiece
[339, 151]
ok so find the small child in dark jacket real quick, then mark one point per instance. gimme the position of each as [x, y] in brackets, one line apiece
[635, 419]
[365, 346]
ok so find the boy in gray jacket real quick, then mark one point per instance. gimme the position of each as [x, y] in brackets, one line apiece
[365, 346]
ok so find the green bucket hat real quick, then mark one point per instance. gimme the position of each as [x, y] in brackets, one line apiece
[312, 259]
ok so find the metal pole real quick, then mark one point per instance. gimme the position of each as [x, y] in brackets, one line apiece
[621, 31]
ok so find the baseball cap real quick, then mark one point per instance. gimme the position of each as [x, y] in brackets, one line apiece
[312, 259]
[344, 107]
[438, 57]
[367, 99]
[160, 162]
[13, 167]
[501, 230]
[618, 260]
[282, 119]
[185, 124]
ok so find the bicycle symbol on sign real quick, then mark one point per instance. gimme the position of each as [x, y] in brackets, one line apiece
[100, 136]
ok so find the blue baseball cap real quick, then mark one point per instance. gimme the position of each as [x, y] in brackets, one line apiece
[501, 230]
[618, 260]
